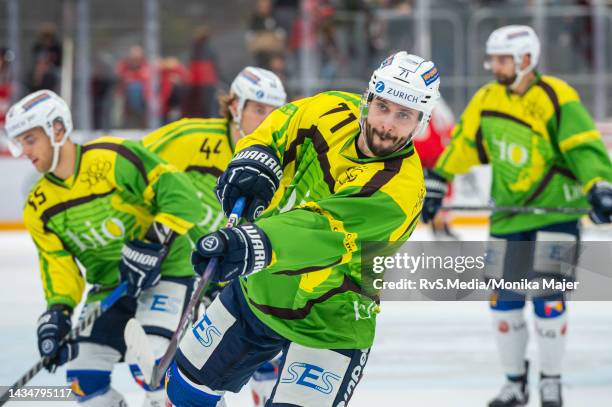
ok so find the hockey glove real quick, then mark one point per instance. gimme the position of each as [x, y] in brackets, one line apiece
[53, 326]
[436, 188]
[141, 265]
[241, 250]
[600, 197]
[253, 173]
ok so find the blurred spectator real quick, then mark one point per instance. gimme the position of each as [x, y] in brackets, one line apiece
[201, 100]
[134, 87]
[173, 80]
[43, 75]
[6, 57]
[47, 45]
[102, 83]
[265, 34]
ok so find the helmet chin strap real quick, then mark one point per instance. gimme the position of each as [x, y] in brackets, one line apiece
[520, 74]
[56, 152]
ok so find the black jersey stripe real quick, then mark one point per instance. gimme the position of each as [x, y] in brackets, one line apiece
[204, 170]
[307, 269]
[552, 95]
[63, 206]
[122, 151]
[480, 148]
[381, 178]
[501, 115]
[301, 313]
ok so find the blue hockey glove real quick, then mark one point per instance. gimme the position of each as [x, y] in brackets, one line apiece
[241, 250]
[254, 173]
[600, 197]
[53, 326]
[436, 188]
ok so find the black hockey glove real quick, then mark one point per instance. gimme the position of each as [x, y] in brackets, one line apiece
[254, 173]
[600, 197]
[53, 326]
[435, 190]
[241, 250]
[141, 265]
[141, 261]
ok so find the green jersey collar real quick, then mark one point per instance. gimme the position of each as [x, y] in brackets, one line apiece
[70, 181]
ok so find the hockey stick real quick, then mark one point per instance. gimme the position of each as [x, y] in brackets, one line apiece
[96, 310]
[517, 209]
[136, 338]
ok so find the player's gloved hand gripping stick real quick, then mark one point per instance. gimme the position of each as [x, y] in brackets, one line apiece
[95, 311]
[136, 338]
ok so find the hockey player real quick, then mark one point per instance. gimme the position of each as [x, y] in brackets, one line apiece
[118, 211]
[202, 148]
[332, 172]
[545, 152]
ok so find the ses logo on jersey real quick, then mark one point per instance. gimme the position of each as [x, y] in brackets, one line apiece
[204, 331]
[309, 375]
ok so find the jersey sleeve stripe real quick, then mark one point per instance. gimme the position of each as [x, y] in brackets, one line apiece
[480, 148]
[578, 139]
[205, 170]
[63, 206]
[124, 152]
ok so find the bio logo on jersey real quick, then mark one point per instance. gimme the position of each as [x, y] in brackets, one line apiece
[379, 87]
[312, 376]
[205, 331]
[109, 230]
[513, 153]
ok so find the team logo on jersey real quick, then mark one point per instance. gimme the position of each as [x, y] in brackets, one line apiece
[379, 87]
[350, 174]
[312, 376]
[430, 76]
[96, 172]
[205, 331]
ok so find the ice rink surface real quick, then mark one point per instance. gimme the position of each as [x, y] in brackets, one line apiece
[425, 353]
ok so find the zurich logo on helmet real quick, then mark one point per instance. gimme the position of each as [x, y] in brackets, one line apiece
[379, 87]
[259, 94]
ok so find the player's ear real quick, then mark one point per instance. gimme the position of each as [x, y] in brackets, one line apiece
[233, 107]
[526, 61]
[58, 130]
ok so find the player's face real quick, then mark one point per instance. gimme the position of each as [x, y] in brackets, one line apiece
[253, 114]
[503, 68]
[389, 126]
[36, 146]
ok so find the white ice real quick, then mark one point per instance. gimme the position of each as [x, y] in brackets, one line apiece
[425, 354]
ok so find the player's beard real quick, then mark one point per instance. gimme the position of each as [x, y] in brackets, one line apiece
[372, 135]
[505, 80]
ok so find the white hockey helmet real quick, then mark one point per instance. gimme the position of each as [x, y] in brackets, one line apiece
[407, 80]
[39, 109]
[518, 41]
[257, 84]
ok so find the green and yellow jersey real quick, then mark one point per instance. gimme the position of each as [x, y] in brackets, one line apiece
[117, 190]
[201, 148]
[543, 148]
[329, 201]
